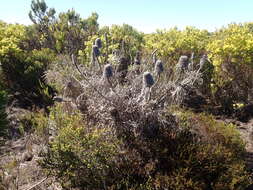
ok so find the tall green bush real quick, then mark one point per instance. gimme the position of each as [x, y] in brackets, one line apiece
[230, 50]
[22, 70]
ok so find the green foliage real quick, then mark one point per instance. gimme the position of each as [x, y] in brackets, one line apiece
[71, 31]
[203, 154]
[65, 33]
[43, 19]
[173, 43]
[35, 122]
[23, 71]
[230, 49]
[220, 152]
[81, 156]
[213, 131]
[126, 34]
[32, 38]
[232, 45]
[124, 39]
[39, 13]
[11, 36]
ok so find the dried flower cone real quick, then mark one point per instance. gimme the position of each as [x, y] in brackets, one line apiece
[108, 71]
[98, 43]
[148, 80]
[95, 50]
[159, 67]
[183, 62]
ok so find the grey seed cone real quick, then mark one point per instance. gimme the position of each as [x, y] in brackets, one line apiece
[108, 71]
[183, 62]
[202, 61]
[159, 67]
[148, 79]
[122, 65]
[98, 42]
[95, 50]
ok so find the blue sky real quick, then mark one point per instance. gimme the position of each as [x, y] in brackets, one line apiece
[144, 15]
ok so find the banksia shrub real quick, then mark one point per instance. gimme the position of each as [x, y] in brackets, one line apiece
[122, 65]
[207, 70]
[121, 140]
[181, 68]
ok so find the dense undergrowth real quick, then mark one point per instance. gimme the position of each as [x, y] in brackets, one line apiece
[119, 109]
[190, 151]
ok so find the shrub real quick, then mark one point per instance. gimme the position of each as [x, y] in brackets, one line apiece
[220, 155]
[196, 152]
[231, 52]
[35, 122]
[81, 156]
[23, 72]
[173, 43]
[22, 69]
[154, 145]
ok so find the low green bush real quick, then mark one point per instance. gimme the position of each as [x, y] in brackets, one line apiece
[81, 156]
[191, 151]
[220, 155]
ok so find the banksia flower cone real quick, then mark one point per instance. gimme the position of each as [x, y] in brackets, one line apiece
[98, 42]
[95, 50]
[148, 80]
[183, 62]
[107, 73]
[202, 61]
[159, 67]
